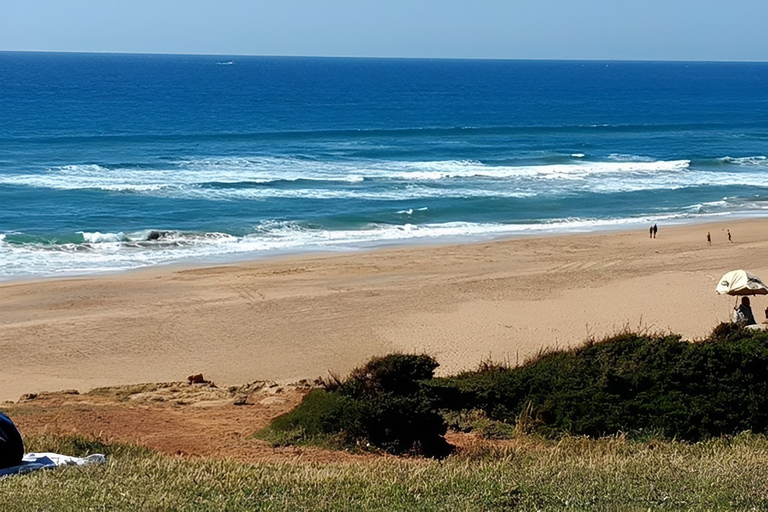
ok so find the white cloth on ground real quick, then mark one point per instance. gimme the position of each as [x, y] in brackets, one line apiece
[36, 461]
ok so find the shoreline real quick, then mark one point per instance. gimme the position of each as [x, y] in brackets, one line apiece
[292, 317]
[521, 231]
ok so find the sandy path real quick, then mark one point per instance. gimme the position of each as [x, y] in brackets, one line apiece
[299, 318]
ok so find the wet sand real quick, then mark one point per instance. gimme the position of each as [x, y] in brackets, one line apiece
[301, 317]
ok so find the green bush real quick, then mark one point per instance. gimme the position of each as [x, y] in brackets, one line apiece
[629, 383]
[399, 374]
[382, 403]
[322, 418]
[639, 384]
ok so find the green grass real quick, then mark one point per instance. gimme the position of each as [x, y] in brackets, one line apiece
[529, 474]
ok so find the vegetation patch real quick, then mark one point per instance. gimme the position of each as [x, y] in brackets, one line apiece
[476, 421]
[382, 404]
[643, 385]
[632, 383]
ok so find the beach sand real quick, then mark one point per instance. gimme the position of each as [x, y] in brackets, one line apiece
[301, 317]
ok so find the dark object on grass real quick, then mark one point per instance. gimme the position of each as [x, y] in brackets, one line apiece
[11, 444]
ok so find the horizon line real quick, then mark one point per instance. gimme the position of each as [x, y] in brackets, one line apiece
[552, 59]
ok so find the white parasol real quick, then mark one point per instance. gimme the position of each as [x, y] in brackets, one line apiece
[741, 282]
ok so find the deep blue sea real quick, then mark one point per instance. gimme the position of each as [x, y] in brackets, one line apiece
[110, 162]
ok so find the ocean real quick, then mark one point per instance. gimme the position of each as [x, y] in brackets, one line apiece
[111, 162]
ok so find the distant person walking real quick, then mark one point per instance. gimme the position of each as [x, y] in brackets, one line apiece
[650, 232]
[655, 230]
[729, 235]
[709, 238]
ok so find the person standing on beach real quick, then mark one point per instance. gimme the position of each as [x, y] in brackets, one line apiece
[655, 230]
[709, 238]
[650, 232]
[729, 235]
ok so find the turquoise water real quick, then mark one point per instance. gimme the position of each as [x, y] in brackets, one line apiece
[110, 162]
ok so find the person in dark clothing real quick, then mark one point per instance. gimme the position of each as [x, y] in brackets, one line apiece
[655, 230]
[11, 444]
[743, 313]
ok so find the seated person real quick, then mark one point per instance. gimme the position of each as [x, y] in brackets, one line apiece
[742, 314]
[11, 445]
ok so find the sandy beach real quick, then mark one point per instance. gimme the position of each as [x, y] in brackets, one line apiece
[301, 317]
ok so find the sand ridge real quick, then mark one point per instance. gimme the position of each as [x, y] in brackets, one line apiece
[292, 318]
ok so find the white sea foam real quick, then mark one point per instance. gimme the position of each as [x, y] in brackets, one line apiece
[103, 237]
[751, 161]
[410, 211]
[621, 157]
[103, 254]
[430, 171]
[708, 207]
[267, 170]
[259, 178]
[148, 180]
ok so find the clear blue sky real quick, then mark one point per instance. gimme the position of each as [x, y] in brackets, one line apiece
[506, 29]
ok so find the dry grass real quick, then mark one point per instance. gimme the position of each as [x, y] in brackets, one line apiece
[525, 473]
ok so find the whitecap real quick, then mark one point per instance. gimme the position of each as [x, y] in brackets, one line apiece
[759, 160]
[621, 157]
[97, 237]
[190, 176]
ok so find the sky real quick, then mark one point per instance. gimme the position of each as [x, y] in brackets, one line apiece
[483, 29]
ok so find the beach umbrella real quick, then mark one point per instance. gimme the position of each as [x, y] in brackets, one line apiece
[741, 282]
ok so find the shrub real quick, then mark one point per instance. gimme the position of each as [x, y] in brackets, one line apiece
[400, 374]
[729, 331]
[322, 418]
[629, 383]
[383, 403]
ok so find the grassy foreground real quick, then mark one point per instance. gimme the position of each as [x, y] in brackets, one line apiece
[528, 473]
